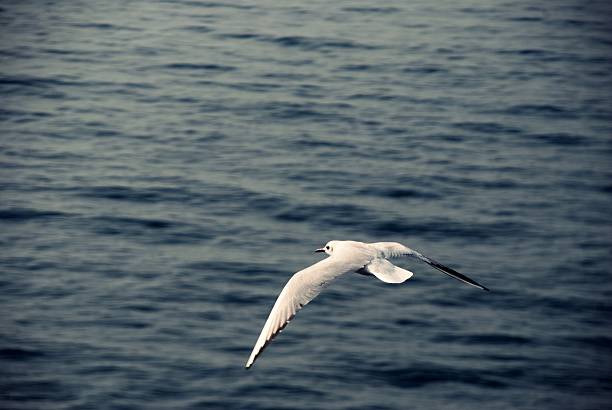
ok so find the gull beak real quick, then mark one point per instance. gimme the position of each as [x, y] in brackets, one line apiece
[320, 250]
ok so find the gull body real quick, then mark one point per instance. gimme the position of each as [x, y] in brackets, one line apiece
[344, 257]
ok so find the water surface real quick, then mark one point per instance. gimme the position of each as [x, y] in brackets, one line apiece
[167, 165]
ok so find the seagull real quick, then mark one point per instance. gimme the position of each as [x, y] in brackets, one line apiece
[369, 259]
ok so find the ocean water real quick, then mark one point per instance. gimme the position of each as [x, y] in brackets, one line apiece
[165, 166]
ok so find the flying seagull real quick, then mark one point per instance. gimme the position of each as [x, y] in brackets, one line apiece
[344, 257]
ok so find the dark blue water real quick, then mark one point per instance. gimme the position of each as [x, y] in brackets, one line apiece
[167, 165]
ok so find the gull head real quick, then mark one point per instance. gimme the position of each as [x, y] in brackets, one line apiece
[328, 248]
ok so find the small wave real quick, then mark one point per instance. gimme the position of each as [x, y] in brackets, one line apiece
[528, 51]
[400, 193]
[19, 354]
[198, 67]
[606, 189]
[140, 308]
[197, 29]
[333, 214]
[124, 323]
[558, 139]
[98, 369]
[125, 193]
[316, 43]
[212, 4]
[142, 222]
[574, 22]
[264, 203]
[444, 229]
[28, 389]
[238, 36]
[358, 67]
[104, 26]
[258, 87]
[535, 54]
[25, 214]
[149, 230]
[287, 389]
[424, 70]
[370, 10]
[286, 76]
[30, 81]
[234, 298]
[205, 195]
[528, 19]
[48, 82]
[545, 110]
[592, 342]
[297, 111]
[483, 339]
[412, 323]
[423, 374]
[486, 127]
[248, 272]
[11, 114]
[376, 96]
[311, 142]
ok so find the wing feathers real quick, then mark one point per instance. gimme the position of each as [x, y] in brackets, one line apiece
[386, 271]
[303, 287]
[394, 249]
[453, 273]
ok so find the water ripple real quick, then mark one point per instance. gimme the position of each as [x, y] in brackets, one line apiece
[165, 167]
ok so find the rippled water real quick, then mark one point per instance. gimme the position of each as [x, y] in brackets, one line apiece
[167, 165]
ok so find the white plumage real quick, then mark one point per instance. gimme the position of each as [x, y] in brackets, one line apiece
[344, 257]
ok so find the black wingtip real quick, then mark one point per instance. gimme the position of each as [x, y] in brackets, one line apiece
[453, 273]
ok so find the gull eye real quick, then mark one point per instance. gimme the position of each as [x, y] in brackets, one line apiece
[327, 247]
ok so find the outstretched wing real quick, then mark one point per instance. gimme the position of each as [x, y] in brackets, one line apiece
[394, 249]
[303, 287]
[386, 271]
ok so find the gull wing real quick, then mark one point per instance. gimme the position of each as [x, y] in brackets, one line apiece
[386, 271]
[394, 249]
[303, 287]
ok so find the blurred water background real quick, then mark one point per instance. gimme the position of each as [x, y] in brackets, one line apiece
[167, 165]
